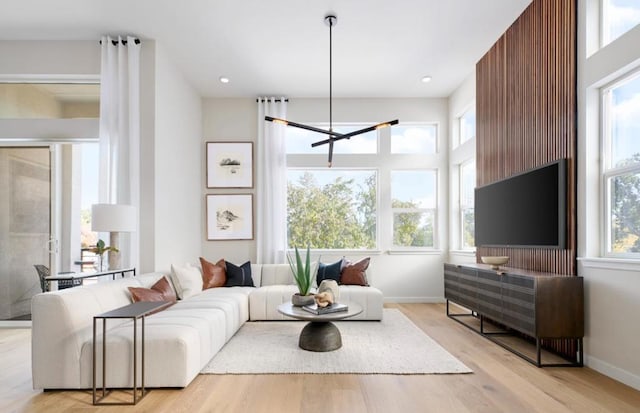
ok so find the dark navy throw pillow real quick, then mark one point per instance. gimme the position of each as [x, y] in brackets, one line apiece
[329, 271]
[239, 276]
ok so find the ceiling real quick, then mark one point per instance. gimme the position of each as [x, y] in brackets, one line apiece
[381, 48]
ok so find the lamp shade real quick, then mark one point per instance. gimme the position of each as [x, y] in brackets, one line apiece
[113, 218]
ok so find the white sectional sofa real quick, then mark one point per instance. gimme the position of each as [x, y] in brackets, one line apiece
[180, 340]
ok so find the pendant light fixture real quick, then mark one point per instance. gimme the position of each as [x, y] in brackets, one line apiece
[330, 20]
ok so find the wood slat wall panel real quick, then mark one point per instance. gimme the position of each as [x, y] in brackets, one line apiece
[526, 114]
[526, 117]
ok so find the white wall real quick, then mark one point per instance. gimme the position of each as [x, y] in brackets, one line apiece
[177, 173]
[401, 277]
[612, 287]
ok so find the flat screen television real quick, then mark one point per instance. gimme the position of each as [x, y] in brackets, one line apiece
[525, 210]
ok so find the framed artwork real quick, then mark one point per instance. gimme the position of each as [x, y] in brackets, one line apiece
[229, 164]
[229, 217]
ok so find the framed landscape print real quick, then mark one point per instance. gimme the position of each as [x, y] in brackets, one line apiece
[229, 217]
[229, 164]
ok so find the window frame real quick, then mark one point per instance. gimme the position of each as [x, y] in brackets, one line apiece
[434, 211]
[383, 162]
[608, 172]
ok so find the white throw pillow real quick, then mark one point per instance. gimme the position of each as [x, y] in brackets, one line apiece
[186, 280]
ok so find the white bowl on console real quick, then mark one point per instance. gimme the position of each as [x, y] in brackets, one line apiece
[494, 261]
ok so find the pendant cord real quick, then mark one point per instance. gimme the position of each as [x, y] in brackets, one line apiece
[330, 78]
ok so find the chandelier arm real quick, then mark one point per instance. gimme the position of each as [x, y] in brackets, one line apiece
[354, 133]
[301, 126]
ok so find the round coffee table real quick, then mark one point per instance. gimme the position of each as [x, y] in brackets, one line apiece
[320, 334]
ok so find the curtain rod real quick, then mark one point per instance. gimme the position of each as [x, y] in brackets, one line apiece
[124, 42]
[267, 100]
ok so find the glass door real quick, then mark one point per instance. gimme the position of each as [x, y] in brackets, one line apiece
[26, 227]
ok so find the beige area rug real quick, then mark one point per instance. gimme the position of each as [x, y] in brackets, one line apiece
[392, 346]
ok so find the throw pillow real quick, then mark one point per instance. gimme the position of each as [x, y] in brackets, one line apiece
[160, 291]
[187, 281]
[239, 276]
[329, 271]
[355, 273]
[213, 275]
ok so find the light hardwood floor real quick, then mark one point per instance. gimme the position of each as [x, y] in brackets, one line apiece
[501, 382]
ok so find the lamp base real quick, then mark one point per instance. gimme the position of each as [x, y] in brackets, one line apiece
[114, 257]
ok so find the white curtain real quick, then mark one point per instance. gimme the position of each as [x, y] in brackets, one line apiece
[272, 183]
[120, 133]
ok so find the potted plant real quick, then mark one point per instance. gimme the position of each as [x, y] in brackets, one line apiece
[99, 250]
[303, 277]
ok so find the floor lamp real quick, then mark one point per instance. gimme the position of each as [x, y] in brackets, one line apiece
[114, 219]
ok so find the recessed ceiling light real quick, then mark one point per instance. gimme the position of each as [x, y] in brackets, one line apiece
[426, 79]
[224, 79]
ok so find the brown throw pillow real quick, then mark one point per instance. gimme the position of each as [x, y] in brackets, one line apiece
[354, 273]
[213, 275]
[160, 291]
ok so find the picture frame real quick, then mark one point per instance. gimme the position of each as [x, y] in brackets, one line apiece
[229, 217]
[229, 164]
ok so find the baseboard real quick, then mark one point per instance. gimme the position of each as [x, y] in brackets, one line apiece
[616, 373]
[414, 300]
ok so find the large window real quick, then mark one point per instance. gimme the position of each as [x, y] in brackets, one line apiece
[467, 215]
[381, 193]
[619, 16]
[332, 208]
[413, 201]
[621, 166]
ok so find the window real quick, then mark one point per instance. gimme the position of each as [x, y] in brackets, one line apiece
[332, 208]
[413, 201]
[467, 217]
[618, 17]
[365, 201]
[300, 140]
[621, 166]
[418, 139]
[468, 125]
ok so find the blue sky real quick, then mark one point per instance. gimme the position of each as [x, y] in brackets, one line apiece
[622, 15]
[625, 115]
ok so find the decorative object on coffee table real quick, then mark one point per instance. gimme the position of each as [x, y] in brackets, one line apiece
[320, 334]
[328, 293]
[303, 277]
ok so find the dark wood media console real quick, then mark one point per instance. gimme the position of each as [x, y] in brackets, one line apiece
[539, 305]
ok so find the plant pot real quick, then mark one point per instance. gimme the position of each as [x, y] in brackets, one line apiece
[298, 300]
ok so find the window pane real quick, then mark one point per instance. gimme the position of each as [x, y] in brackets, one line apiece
[620, 17]
[625, 213]
[624, 121]
[413, 189]
[49, 101]
[467, 184]
[468, 125]
[300, 140]
[414, 139]
[468, 228]
[332, 209]
[413, 229]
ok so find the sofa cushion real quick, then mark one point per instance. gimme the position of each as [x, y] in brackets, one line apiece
[186, 280]
[329, 271]
[160, 291]
[355, 273]
[213, 275]
[239, 276]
